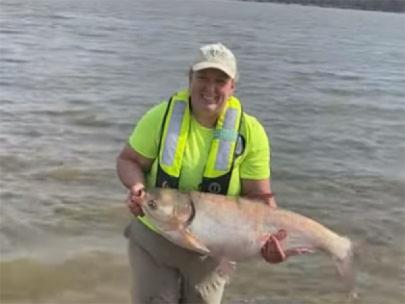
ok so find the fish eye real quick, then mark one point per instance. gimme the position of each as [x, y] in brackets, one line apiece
[152, 204]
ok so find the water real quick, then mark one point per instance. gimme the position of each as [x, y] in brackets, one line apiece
[327, 84]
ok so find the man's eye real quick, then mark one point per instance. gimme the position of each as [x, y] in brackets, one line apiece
[152, 204]
[221, 80]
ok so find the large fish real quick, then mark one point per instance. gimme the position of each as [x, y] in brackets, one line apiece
[235, 229]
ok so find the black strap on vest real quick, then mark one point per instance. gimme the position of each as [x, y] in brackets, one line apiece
[220, 184]
[164, 180]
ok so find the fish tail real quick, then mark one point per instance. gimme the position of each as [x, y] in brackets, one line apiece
[346, 269]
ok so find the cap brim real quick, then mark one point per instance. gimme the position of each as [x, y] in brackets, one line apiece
[212, 65]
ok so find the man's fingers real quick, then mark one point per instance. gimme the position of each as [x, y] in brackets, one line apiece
[139, 193]
[272, 251]
[299, 251]
[135, 209]
[276, 249]
[134, 206]
[138, 190]
[280, 235]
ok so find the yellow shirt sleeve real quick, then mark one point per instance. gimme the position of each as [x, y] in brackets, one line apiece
[256, 164]
[145, 137]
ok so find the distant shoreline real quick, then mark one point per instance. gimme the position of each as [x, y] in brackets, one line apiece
[394, 6]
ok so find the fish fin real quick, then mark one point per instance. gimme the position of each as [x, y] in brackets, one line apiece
[226, 267]
[346, 270]
[193, 243]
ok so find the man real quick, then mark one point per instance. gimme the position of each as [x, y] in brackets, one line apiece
[200, 140]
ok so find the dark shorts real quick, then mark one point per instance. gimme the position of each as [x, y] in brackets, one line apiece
[163, 272]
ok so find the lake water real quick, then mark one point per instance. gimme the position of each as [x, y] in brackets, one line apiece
[327, 84]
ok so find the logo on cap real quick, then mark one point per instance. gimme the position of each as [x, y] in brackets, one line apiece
[216, 56]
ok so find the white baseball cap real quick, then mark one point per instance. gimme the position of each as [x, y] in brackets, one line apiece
[216, 56]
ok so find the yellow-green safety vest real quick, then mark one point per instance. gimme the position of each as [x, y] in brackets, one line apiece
[226, 139]
[227, 143]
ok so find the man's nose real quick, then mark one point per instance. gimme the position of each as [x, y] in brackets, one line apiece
[210, 86]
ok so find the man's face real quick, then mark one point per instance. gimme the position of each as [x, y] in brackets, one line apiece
[209, 91]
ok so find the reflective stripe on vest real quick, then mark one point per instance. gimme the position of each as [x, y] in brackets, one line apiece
[174, 138]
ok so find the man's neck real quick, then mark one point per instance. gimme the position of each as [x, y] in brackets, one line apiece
[206, 121]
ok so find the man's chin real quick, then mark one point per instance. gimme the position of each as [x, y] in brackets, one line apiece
[210, 107]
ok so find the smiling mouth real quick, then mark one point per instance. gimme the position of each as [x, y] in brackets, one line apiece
[208, 99]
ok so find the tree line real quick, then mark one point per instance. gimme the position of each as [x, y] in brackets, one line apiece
[397, 6]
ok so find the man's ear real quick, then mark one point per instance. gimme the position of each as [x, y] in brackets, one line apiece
[190, 75]
[233, 86]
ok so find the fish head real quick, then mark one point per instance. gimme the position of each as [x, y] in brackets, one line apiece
[168, 209]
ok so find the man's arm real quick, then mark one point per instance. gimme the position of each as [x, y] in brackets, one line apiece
[259, 189]
[130, 169]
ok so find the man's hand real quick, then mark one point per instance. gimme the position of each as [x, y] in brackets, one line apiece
[135, 197]
[272, 251]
